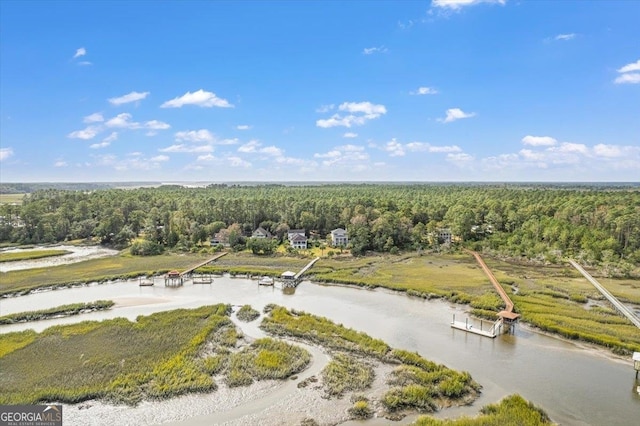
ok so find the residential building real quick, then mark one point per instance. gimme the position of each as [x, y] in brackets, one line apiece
[339, 237]
[261, 233]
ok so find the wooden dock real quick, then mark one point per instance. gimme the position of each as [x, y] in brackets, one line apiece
[610, 297]
[193, 268]
[491, 332]
[506, 317]
[176, 279]
[289, 279]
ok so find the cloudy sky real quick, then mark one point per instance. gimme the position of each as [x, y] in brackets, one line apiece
[441, 90]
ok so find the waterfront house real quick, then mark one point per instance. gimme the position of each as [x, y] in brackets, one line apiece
[339, 237]
[260, 232]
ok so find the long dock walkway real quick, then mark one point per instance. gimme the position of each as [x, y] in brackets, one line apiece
[306, 268]
[610, 297]
[508, 310]
[193, 268]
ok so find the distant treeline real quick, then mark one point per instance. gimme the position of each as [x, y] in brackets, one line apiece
[596, 223]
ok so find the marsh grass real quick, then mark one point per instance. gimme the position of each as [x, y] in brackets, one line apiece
[512, 410]
[31, 255]
[552, 298]
[451, 276]
[63, 310]
[244, 263]
[109, 268]
[247, 314]
[116, 359]
[416, 383]
[346, 373]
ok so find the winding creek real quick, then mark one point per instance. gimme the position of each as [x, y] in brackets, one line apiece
[575, 384]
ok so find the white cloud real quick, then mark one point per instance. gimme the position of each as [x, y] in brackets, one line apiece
[271, 150]
[454, 114]
[366, 108]
[569, 147]
[123, 121]
[634, 66]
[160, 158]
[460, 159]
[105, 142]
[565, 37]
[372, 50]
[325, 108]
[129, 97]
[80, 52]
[628, 78]
[202, 135]
[188, 148]
[199, 98]
[397, 149]
[234, 161]
[611, 151]
[360, 113]
[243, 127]
[249, 147]
[156, 125]
[457, 4]
[539, 140]
[425, 91]
[87, 133]
[96, 117]
[5, 153]
[60, 163]
[350, 135]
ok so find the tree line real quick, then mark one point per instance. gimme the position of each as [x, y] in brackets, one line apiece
[598, 225]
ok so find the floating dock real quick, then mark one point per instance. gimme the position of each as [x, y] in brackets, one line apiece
[491, 332]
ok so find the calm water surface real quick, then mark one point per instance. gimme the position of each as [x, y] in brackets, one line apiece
[574, 384]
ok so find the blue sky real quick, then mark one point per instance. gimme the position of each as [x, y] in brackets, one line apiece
[442, 90]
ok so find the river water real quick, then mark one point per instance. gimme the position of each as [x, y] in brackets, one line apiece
[575, 384]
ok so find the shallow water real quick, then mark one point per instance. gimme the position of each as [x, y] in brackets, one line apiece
[575, 384]
[78, 254]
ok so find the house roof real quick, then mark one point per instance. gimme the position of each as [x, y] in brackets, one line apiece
[298, 237]
[636, 356]
[338, 231]
[261, 230]
[288, 274]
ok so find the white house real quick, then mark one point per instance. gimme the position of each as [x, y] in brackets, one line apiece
[444, 235]
[298, 241]
[339, 237]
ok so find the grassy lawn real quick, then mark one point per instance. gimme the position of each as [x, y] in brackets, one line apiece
[30, 255]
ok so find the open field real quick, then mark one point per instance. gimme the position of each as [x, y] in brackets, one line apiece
[11, 198]
[31, 255]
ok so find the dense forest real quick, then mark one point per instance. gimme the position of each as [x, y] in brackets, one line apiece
[597, 225]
